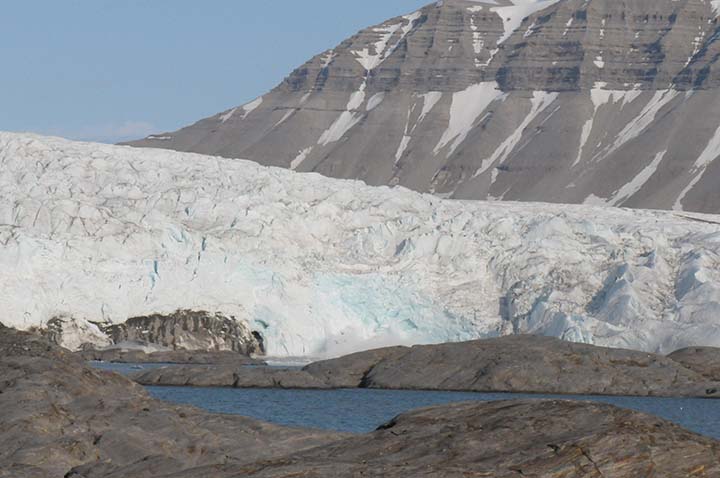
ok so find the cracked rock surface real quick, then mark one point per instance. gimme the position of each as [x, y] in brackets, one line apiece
[549, 439]
[59, 418]
[57, 415]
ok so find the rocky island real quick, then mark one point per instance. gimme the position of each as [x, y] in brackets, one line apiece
[529, 364]
[60, 418]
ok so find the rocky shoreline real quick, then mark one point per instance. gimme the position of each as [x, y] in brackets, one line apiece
[119, 355]
[518, 364]
[61, 418]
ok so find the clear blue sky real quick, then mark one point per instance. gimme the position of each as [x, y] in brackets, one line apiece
[109, 70]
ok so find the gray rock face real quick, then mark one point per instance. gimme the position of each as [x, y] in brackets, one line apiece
[511, 439]
[189, 330]
[183, 330]
[702, 360]
[571, 101]
[545, 439]
[510, 364]
[57, 415]
[59, 418]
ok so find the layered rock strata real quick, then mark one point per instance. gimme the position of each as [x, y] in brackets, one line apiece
[572, 101]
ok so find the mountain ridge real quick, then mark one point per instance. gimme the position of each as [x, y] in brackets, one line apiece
[582, 101]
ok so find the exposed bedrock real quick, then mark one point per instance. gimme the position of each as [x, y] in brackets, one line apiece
[183, 330]
[703, 360]
[57, 415]
[541, 439]
[189, 330]
[59, 418]
[529, 364]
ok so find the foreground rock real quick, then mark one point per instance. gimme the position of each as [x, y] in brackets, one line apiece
[57, 415]
[59, 418]
[528, 364]
[703, 360]
[504, 439]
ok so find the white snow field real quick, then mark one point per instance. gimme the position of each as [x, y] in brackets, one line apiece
[323, 267]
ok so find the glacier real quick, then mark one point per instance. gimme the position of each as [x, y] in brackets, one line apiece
[322, 267]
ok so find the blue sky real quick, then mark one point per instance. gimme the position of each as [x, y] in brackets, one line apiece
[110, 70]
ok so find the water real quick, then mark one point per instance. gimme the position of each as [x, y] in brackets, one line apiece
[362, 410]
[126, 368]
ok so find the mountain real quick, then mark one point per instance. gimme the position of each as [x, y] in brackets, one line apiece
[96, 234]
[610, 102]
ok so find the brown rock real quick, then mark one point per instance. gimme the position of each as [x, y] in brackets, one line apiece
[702, 360]
[529, 364]
[56, 415]
[549, 439]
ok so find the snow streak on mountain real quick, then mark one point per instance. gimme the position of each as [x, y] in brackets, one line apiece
[602, 102]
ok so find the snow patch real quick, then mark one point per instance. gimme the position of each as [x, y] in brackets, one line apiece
[538, 103]
[513, 15]
[466, 108]
[302, 156]
[375, 101]
[636, 184]
[706, 158]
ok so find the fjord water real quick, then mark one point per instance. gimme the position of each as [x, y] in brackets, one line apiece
[363, 410]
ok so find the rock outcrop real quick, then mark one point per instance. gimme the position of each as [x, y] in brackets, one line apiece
[189, 330]
[183, 330]
[61, 418]
[528, 364]
[572, 101]
[702, 360]
[541, 439]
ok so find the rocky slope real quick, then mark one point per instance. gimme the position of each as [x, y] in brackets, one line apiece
[321, 267]
[702, 360]
[543, 439]
[519, 364]
[59, 418]
[573, 101]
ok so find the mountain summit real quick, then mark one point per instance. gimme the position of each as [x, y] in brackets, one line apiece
[610, 102]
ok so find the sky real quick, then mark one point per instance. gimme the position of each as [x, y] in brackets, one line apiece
[114, 70]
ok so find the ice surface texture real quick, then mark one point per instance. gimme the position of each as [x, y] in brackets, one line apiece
[322, 267]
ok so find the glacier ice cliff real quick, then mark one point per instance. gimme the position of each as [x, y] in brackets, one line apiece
[321, 267]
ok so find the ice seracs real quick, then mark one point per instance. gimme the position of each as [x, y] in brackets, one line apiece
[322, 267]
